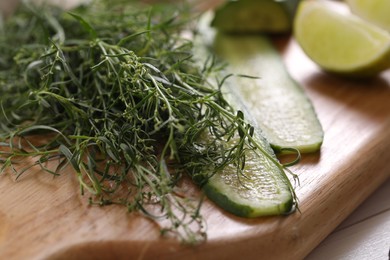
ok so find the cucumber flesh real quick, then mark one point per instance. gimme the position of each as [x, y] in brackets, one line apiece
[261, 191]
[269, 16]
[278, 104]
[262, 188]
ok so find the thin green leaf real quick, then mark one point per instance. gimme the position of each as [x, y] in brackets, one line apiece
[85, 24]
[70, 157]
[131, 37]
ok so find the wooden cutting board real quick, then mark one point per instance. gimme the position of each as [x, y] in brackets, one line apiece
[42, 217]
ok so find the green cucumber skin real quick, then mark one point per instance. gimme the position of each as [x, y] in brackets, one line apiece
[225, 202]
[282, 199]
[278, 104]
[228, 198]
[245, 16]
[241, 210]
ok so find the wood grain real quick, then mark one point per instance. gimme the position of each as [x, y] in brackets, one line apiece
[42, 217]
[363, 235]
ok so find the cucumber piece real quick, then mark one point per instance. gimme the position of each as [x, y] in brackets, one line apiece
[278, 104]
[271, 16]
[262, 188]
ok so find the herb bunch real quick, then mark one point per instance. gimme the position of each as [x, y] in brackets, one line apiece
[119, 97]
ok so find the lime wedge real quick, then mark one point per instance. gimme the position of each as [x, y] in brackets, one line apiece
[375, 11]
[341, 43]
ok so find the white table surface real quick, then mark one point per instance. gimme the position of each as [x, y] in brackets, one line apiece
[364, 235]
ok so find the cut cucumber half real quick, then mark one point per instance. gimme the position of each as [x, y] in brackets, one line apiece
[262, 188]
[270, 16]
[279, 105]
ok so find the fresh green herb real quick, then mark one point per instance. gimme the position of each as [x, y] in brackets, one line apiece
[115, 90]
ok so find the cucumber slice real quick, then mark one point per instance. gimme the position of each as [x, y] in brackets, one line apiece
[278, 104]
[262, 188]
[270, 16]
